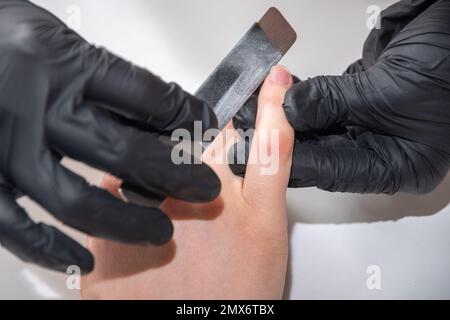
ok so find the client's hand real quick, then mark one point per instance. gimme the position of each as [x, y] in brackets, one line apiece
[233, 248]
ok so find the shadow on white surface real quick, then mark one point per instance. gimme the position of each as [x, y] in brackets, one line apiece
[320, 207]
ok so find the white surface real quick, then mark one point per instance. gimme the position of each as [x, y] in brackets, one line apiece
[335, 237]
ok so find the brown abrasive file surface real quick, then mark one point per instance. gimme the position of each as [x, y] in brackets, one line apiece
[278, 30]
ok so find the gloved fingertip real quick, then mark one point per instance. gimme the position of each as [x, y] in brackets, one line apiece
[238, 157]
[164, 233]
[206, 187]
[245, 119]
[68, 253]
[144, 226]
[86, 262]
[214, 185]
[290, 107]
[151, 227]
[296, 79]
[71, 257]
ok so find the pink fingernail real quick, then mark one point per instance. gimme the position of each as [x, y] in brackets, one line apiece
[280, 76]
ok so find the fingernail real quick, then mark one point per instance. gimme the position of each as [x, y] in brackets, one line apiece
[280, 76]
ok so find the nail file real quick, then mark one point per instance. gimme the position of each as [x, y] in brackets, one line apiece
[236, 78]
[244, 69]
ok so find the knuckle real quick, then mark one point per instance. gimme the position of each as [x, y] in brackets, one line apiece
[428, 168]
[19, 36]
[120, 153]
[426, 183]
[22, 40]
[71, 202]
[69, 199]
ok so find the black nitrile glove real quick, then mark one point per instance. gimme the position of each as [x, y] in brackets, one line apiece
[60, 96]
[384, 126]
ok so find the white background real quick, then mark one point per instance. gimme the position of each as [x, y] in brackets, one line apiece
[334, 237]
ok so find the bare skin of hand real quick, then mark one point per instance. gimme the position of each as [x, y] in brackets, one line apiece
[233, 248]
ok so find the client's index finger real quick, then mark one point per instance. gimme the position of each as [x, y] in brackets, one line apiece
[278, 30]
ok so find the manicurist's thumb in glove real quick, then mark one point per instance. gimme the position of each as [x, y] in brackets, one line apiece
[383, 126]
[61, 96]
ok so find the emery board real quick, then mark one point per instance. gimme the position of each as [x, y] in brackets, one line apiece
[236, 78]
[243, 70]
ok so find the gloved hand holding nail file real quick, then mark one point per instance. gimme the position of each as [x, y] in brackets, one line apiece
[383, 126]
[236, 78]
[61, 96]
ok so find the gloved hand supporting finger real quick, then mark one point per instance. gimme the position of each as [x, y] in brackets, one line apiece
[369, 164]
[92, 210]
